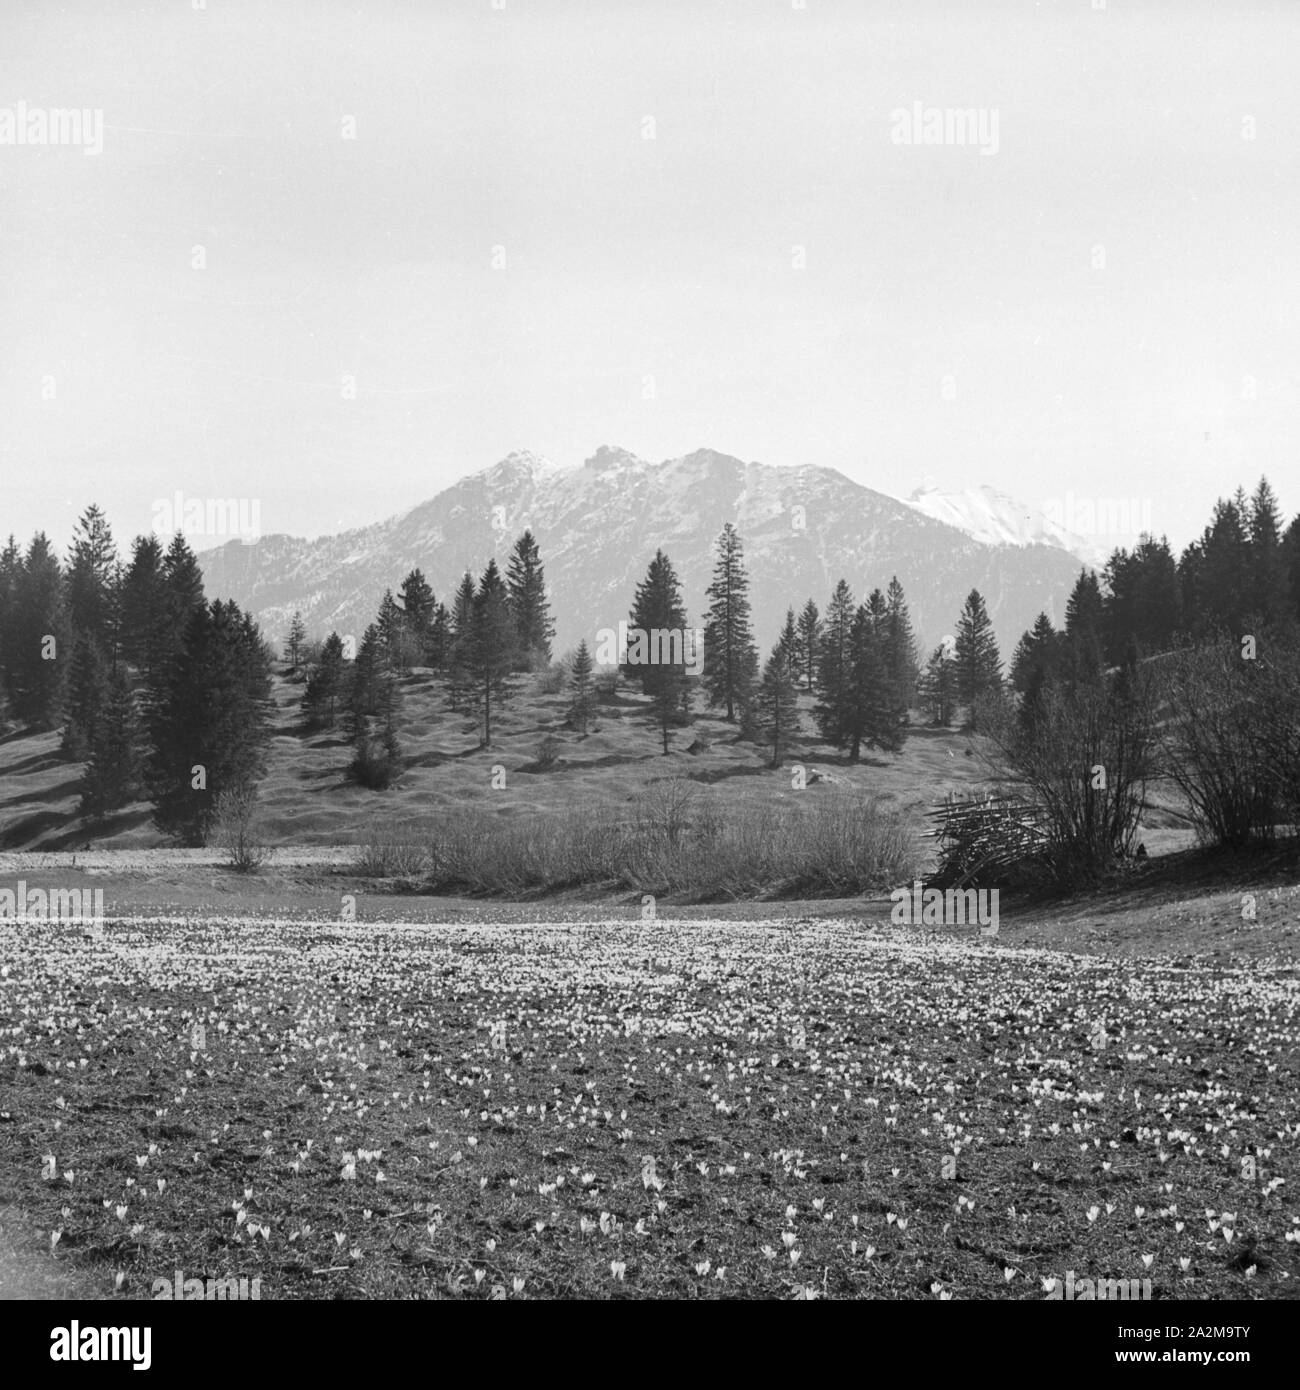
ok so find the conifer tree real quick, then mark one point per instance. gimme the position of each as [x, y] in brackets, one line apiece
[461, 692]
[419, 613]
[90, 576]
[835, 667]
[810, 634]
[326, 686]
[529, 607]
[901, 659]
[211, 725]
[581, 671]
[775, 705]
[657, 607]
[788, 643]
[938, 686]
[147, 636]
[492, 647]
[42, 647]
[113, 774]
[979, 667]
[730, 658]
[296, 640]
[87, 688]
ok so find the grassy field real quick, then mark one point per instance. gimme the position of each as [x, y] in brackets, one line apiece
[347, 1124]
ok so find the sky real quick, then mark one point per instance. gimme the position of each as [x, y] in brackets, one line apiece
[334, 256]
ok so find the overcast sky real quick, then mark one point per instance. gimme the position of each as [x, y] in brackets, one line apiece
[711, 236]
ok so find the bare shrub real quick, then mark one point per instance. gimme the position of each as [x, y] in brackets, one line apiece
[238, 829]
[1229, 741]
[389, 851]
[1083, 759]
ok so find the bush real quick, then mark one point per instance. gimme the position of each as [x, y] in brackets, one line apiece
[377, 763]
[606, 683]
[681, 841]
[1233, 739]
[551, 680]
[237, 828]
[389, 852]
[1083, 760]
[548, 752]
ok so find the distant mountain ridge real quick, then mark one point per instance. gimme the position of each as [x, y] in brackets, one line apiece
[598, 526]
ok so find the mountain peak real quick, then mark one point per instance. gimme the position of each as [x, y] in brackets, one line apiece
[610, 457]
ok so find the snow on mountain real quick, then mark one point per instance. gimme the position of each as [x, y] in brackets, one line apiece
[994, 518]
[599, 524]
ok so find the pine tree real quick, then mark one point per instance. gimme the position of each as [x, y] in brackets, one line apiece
[11, 571]
[326, 686]
[182, 598]
[113, 773]
[810, 636]
[1084, 642]
[775, 705]
[870, 712]
[492, 649]
[731, 661]
[1270, 588]
[87, 689]
[1036, 665]
[419, 612]
[581, 671]
[393, 633]
[89, 578]
[938, 686]
[835, 667]
[374, 703]
[901, 659]
[979, 667]
[210, 727]
[294, 645]
[788, 643]
[461, 691]
[147, 637]
[657, 608]
[42, 646]
[529, 607]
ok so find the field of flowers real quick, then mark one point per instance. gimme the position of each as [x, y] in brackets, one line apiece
[627, 1109]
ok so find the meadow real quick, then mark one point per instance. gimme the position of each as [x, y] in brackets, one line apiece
[777, 1105]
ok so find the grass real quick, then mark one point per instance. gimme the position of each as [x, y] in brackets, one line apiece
[347, 1126]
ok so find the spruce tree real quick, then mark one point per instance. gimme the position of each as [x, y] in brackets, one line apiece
[419, 611]
[90, 578]
[581, 670]
[113, 773]
[835, 667]
[788, 642]
[493, 649]
[147, 637]
[294, 644]
[657, 607]
[42, 647]
[326, 686]
[938, 687]
[1084, 641]
[87, 689]
[871, 713]
[1270, 587]
[461, 692]
[775, 705]
[901, 659]
[529, 607]
[979, 667]
[211, 724]
[810, 635]
[730, 661]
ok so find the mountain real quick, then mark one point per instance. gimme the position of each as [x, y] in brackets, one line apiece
[598, 526]
[996, 519]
